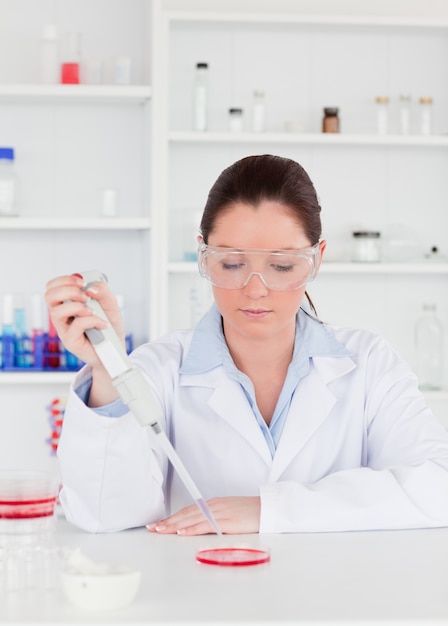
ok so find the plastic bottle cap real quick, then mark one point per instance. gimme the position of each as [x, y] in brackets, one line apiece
[7, 153]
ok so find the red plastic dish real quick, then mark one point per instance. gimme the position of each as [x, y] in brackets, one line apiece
[233, 556]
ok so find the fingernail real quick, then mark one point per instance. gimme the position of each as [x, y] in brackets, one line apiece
[160, 527]
[181, 531]
[151, 527]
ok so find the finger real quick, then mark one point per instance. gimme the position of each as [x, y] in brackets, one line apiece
[66, 280]
[188, 521]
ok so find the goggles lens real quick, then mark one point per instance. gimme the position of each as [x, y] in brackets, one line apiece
[232, 268]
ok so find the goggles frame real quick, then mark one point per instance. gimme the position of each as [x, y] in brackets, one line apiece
[311, 254]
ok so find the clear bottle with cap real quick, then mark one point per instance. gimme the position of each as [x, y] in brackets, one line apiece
[382, 115]
[8, 183]
[200, 97]
[429, 348]
[258, 112]
[366, 246]
[426, 105]
[405, 113]
[236, 124]
[49, 55]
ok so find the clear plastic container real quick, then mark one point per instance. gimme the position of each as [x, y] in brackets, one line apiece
[366, 246]
[29, 558]
[27, 505]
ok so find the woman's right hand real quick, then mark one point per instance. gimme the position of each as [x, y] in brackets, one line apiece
[69, 310]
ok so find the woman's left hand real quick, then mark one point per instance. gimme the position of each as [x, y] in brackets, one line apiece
[233, 515]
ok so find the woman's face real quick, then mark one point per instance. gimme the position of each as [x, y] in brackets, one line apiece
[255, 310]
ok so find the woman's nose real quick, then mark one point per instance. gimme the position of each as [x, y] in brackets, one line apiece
[255, 285]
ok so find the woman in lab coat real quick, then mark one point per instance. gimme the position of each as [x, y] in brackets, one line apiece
[285, 424]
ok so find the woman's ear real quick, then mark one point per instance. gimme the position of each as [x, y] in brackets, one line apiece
[322, 246]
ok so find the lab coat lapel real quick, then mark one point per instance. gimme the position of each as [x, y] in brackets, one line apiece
[310, 406]
[229, 402]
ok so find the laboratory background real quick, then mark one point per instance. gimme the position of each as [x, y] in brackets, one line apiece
[116, 117]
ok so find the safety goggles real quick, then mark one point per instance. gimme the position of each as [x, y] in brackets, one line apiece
[232, 268]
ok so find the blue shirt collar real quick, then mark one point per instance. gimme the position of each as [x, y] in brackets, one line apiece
[208, 348]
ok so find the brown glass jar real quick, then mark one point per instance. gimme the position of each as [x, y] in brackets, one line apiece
[330, 122]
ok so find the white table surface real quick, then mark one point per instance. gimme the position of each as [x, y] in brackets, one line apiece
[383, 577]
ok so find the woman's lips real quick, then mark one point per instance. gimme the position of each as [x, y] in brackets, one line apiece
[255, 313]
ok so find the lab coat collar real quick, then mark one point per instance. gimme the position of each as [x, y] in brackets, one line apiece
[208, 348]
[312, 401]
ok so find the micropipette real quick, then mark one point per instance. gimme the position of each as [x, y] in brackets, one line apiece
[135, 391]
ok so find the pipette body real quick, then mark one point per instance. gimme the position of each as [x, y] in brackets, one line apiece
[136, 393]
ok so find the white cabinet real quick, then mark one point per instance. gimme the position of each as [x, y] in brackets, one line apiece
[392, 183]
[72, 142]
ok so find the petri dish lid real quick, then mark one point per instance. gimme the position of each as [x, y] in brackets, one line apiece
[230, 556]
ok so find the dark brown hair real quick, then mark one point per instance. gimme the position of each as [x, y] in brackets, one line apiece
[255, 179]
[266, 177]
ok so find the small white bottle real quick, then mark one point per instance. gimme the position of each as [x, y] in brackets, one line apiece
[429, 348]
[8, 183]
[236, 124]
[382, 115]
[425, 116]
[405, 114]
[49, 55]
[258, 112]
[200, 98]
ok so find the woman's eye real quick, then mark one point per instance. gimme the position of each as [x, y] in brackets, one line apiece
[283, 268]
[231, 266]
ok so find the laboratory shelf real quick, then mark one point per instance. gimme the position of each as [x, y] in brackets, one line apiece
[36, 378]
[75, 94]
[430, 268]
[100, 223]
[321, 139]
[271, 18]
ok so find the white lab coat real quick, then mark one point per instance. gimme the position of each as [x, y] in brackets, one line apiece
[360, 449]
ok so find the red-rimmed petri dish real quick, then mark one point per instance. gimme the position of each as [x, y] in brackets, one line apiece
[233, 556]
[27, 502]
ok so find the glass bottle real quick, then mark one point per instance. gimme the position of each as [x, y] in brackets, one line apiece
[382, 115]
[236, 120]
[429, 348]
[405, 114]
[366, 246]
[330, 122]
[200, 97]
[49, 55]
[70, 72]
[425, 116]
[258, 112]
[8, 183]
